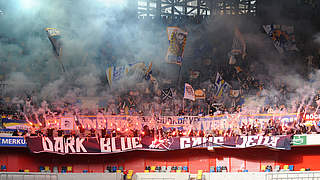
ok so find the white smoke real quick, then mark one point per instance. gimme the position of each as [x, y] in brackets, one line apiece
[317, 38]
[19, 84]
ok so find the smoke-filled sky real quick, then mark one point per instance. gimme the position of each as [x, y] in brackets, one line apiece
[95, 34]
[100, 33]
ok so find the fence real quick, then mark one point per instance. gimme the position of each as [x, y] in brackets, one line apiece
[293, 175]
[55, 176]
[162, 176]
[297, 175]
[304, 175]
[28, 176]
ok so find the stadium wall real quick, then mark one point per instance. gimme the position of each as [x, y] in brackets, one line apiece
[251, 159]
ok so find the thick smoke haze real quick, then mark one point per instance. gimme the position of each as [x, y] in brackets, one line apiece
[101, 33]
[317, 38]
[95, 34]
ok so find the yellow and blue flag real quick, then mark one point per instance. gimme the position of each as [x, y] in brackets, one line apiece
[221, 85]
[15, 124]
[55, 39]
[115, 74]
[177, 42]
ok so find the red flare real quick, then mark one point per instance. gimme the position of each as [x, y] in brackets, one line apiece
[189, 132]
[185, 133]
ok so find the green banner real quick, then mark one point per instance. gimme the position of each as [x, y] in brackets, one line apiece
[299, 140]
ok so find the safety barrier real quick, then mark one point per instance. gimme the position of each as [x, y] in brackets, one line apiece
[61, 176]
[90, 176]
[232, 176]
[295, 175]
[292, 175]
[162, 176]
[27, 176]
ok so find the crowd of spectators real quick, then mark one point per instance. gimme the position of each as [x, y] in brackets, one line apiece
[134, 103]
[267, 96]
[268, 128]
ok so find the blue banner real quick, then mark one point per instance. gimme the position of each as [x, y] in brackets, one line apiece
[13, 142]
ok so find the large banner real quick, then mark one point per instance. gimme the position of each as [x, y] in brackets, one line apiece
[182, 122]
[12, 141]
[111, 122]
[94, 145]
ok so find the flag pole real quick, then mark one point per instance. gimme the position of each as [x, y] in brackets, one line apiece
[177, 88]
[183, 97]
[59, 59]
[63, 69]
[183, 105]
[179, 75]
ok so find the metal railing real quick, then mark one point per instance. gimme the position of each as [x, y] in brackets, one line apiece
[27, 176]
[295, 175]
[59, 176]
